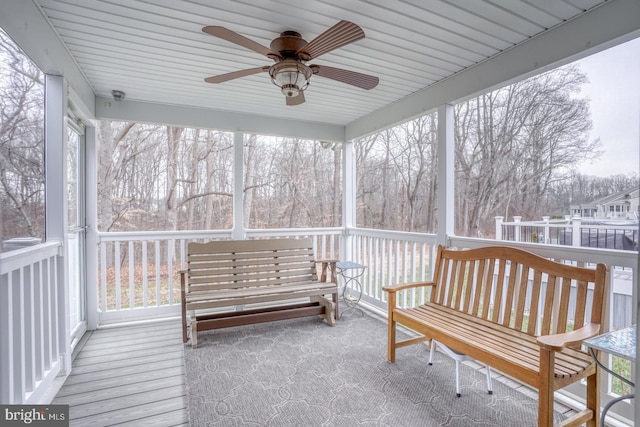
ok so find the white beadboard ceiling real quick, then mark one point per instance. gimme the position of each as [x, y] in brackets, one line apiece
[155, 51]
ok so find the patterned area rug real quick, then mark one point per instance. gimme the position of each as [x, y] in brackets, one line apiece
[304, 373]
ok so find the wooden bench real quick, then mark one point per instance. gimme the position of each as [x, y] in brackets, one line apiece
[263, 274]
[515, 311]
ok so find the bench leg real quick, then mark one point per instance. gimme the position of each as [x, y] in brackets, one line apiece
[329, 309]
[194, 333]
[489, 385]
[391, 333]
[184, 325]
[331, 314]
[458, 393]
[593, 397]
[432, 351]
[545, 392]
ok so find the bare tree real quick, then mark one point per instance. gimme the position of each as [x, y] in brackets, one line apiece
[512, 144]
[397, 176]
[111, 158]
[21, 143]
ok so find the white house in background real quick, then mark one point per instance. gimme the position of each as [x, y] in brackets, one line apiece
[623, 205]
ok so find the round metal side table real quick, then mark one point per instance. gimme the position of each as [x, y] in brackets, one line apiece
[351, 273]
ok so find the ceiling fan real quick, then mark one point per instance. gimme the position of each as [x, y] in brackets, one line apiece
[290, 53]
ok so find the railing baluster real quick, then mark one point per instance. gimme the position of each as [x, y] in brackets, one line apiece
[157, 249]
[145, 278]
[47, 298]
[132, 270]
[16, 282]
[170, 257]
[38, 321]
[29, 330]
[55, 310]
[116, 257]
[103, 276]
[6, 336]
[412, 268]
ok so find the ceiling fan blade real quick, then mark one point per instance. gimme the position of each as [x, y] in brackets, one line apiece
[235, 74]
[296, 100]
[233, 37]
[341, 34]
[360, 80]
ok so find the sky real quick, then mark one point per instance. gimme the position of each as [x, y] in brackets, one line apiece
[614, 90]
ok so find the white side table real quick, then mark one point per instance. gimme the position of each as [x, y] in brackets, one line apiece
[458, 357]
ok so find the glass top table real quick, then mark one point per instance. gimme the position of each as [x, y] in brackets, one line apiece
[620, 343]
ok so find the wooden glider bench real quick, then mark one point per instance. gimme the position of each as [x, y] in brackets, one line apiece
[232, 274]
[515, 311]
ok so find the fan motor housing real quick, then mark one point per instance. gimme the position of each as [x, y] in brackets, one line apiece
[288, 44]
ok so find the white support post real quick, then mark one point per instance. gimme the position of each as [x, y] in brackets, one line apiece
[576, 231]
[517, 230]
[91, 222]
[56, 216]
[547, 237]
[636, 315]
[446, 177]
[238, 184]
[349, 199]
[499, 220]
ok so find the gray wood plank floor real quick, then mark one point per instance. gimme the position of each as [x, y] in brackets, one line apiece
[134, 376]
[131, 375]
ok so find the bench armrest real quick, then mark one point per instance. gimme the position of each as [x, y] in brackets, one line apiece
[401, 286]
[557, 342]
[328, 264]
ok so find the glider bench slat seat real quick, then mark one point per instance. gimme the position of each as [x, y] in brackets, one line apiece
[510, 309]
[278, 274]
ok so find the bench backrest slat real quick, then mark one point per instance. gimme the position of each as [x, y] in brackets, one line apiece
[519, 289]
[510, 296]
[523, 283]
[478, 286]
[289, 268]
[563, 312]
[237, 264]
[550, 308]
[497, 306]
[534, 302]
[581, 301]
[468, 291]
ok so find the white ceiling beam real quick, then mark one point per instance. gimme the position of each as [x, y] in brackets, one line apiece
[612, 23]
[107, 108]
[27, 26]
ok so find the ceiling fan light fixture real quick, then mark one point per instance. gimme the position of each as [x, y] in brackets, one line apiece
[291, 76]
[290, 91]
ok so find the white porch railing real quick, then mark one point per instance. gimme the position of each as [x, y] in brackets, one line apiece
[30, 330]
[392, 257]
[138, 271]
